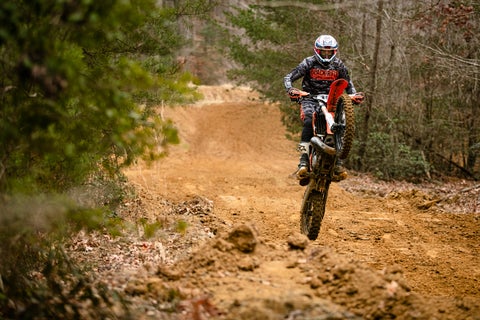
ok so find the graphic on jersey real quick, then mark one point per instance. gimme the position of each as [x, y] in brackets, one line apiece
[320, 74]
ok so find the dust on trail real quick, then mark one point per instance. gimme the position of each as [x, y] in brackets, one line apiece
[377, 256]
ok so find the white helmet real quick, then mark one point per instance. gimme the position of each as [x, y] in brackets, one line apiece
[325, 48]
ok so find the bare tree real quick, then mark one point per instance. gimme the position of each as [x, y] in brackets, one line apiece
[372, 88]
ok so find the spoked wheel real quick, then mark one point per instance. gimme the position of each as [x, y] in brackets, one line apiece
[345, 116]
[312, 212]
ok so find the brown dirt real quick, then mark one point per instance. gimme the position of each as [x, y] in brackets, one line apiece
[385, 250]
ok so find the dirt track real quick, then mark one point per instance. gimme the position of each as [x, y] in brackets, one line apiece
[377, 256]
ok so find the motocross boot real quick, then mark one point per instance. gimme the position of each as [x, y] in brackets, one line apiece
[302, 172]
[303, 166]
[340, 173]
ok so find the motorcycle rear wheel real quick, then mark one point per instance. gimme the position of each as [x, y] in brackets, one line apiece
[312, 212]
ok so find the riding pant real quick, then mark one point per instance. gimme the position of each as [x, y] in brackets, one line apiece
[308, 107]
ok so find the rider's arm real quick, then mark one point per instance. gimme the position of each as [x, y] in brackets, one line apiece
[357, 97]
[350, 88]
[343, 73]
[297, 73]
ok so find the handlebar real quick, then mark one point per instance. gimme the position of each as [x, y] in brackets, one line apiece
[296, 95]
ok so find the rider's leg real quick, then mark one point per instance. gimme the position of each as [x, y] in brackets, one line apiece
[307, 109]
[303, 165]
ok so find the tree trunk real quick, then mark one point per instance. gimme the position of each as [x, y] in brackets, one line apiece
[372, 91]
[473, 140]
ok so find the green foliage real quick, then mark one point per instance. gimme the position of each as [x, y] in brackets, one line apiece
[38, 279]
[79, 80]
[389, 159]
[150, 228]
[181, 226]
[268, 45]
[273, 41]
[79, 86]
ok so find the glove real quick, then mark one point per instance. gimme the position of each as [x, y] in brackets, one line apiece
[358, 98]
[295, 94]
[291, 91]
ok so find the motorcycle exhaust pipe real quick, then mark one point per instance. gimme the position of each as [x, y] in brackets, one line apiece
[321, 146]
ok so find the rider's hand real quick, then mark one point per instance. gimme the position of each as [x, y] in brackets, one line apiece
[358, 97]
[292, 91]
[294, 94]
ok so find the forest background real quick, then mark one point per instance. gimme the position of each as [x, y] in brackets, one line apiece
[80, 80]
[417, 62]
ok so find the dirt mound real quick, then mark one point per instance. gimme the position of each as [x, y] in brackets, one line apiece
[300, 283]
[222, 215]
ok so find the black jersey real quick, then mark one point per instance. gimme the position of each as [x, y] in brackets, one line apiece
[318, 77]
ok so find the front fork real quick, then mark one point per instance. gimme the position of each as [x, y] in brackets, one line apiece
[329, 119]
[330, 124]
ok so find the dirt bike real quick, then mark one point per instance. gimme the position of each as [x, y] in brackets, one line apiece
[334, 130]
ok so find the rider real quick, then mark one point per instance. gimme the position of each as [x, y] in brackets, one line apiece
[318, 72]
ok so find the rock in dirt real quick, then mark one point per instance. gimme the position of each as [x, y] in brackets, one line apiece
[244, 238]
[297, 241]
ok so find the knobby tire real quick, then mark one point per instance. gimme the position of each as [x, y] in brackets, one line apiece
[312, 212]
[344, 114]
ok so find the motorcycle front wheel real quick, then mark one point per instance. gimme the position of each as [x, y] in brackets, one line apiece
[312, 212]
[345, 116]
